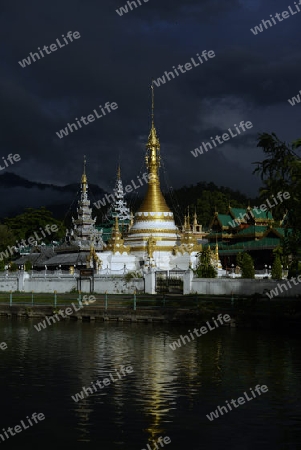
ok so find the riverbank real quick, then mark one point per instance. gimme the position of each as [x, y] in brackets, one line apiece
[255, 312]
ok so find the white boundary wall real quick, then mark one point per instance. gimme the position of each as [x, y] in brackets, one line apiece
[63, 283]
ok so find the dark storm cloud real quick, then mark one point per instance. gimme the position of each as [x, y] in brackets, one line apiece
[250, 78]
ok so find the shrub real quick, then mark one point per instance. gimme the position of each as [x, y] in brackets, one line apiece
[276, 268]
[205, 269]
[246, 264]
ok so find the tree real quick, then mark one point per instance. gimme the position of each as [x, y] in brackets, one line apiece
[33, 220]
[7, 238]
[28, 266]
[205, 269]
[13, 267]
[281, 172]
[245, 262]
[277, 268]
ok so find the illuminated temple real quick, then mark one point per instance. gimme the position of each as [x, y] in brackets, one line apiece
[150, 240]
[147, 241]
[153, 241]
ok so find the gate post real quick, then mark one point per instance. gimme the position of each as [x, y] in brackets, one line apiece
[150, 282]
[187, 280]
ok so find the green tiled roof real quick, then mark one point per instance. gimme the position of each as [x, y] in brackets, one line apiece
[225, 219]
[238, 212]
[228, 249]
[262, 215]
[252, 230]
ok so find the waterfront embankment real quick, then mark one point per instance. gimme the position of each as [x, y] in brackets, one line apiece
[255, 312]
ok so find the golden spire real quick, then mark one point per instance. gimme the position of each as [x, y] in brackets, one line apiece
[84, 177]
[154, 200]
[116, 243]
[118, 172]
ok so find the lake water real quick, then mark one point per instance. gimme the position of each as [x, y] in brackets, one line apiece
[168, 394]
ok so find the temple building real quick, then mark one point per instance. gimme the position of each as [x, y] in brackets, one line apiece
[250, 230]
[153, 241]
[147, 241]
[81, 242]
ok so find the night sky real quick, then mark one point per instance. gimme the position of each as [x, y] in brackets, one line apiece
[115, 58]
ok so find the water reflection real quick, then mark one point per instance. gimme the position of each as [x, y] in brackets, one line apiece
[168, 391]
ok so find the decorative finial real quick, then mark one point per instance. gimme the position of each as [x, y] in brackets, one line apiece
[118, 172]
[153, 104]
[84, 176]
